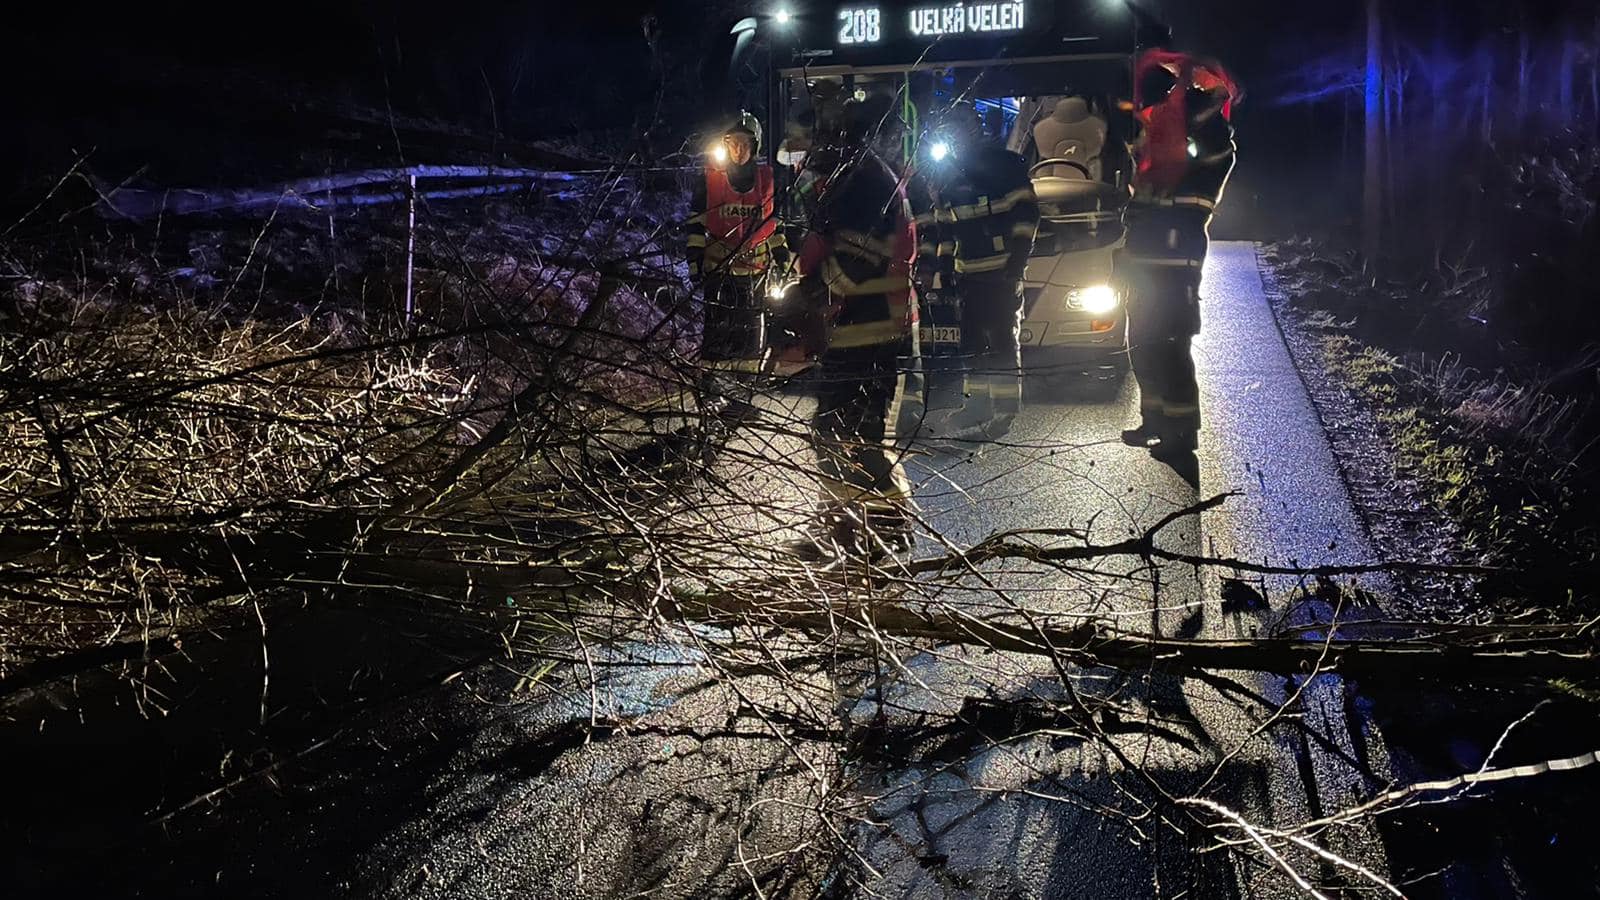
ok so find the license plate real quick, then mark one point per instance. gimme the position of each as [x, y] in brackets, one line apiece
[941, 335]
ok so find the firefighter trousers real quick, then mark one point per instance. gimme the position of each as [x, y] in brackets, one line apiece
[733, 339]
[859, 390]
[1163, 317]
[1159, 268]
[991, 345]
[735, 318]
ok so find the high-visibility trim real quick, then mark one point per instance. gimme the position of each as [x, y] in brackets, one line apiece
[727, 260]
[719, 250]
[894, 495]
[986, 264]
[840, 283]
[1025, 230]
[749, 364]
[985, 207]
[1164, 261]
[1005, 387]
[1006, 383]
[999, 244]
[1180, 409]
[891, 417]
[1201, 202]
[697, 240]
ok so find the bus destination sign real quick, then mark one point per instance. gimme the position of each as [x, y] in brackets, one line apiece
[873, 24]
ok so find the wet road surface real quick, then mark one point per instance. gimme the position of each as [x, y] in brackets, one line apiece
[1025, 816]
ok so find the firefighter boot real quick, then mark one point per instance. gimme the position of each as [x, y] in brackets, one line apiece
[861, 533]
[711, 390]
[888, 532]
[1151, 421]
[976, 417]
[828, 539]
[1179, 434]
[1148, 433]
[1005, 392]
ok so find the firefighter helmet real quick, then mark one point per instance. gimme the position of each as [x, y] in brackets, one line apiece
[748, 124]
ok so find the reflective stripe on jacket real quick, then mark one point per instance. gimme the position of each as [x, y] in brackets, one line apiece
[860, 249]
[987, 216]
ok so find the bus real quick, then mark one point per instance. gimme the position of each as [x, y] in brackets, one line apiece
[1049, 78]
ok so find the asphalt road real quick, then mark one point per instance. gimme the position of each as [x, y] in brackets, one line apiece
[1028, 816]
[1062, 465]
[1043, 814]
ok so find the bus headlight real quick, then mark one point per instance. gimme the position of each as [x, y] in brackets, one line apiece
[1096, 300]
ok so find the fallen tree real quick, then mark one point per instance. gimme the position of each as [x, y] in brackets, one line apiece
[536, 467]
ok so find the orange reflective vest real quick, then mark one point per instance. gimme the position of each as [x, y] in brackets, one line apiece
[740, 227]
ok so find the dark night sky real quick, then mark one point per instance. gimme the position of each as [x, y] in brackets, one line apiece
[558, 68]
[337, 40]
[337, 36]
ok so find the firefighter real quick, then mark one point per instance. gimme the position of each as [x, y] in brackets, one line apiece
[984, 219]
[734, 244]
[1183, 156]
[855, 268]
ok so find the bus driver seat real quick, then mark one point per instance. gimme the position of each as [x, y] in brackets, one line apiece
[1070, 132]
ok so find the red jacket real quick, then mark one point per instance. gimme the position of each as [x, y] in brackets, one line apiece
[1165, 156]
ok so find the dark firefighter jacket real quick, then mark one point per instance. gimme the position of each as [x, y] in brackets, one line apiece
[734, 229]
[858, 255]
[985, 218]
